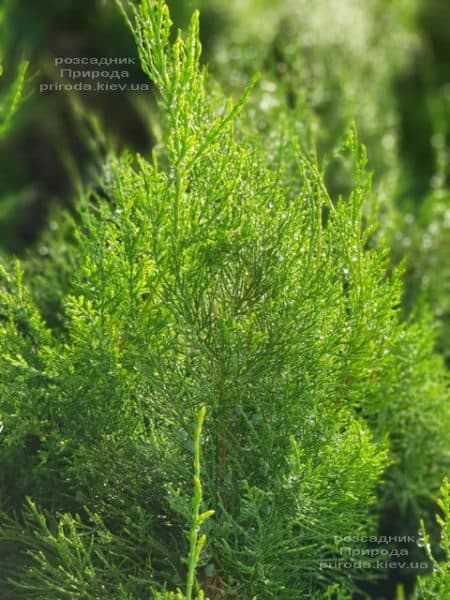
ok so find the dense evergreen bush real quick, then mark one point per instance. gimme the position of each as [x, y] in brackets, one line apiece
[224, 271]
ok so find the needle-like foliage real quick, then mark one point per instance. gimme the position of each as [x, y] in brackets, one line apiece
[211, 275]
[437, 584]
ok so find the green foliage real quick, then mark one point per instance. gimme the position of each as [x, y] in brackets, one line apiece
[222, 272]
[69, 558]
[424, 238]
[195, 543]
[437, 585]
[342, 71]
[11, 102]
